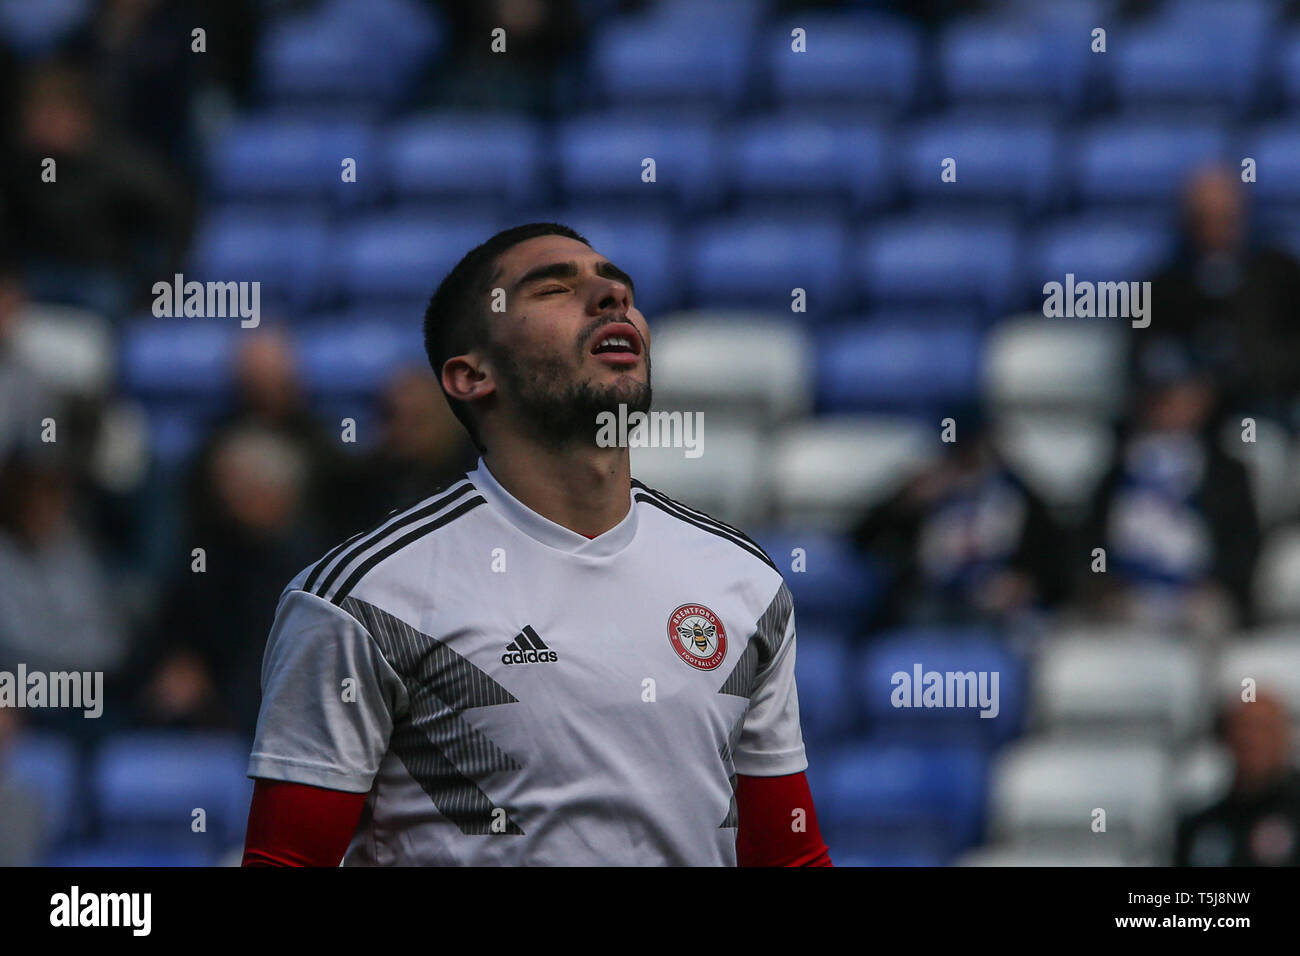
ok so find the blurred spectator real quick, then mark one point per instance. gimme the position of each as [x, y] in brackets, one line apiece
[1258, 822]
[113, 221]
[1230, 303]
[421, 448]
[204, 655]
[57, 610]
[542, 40]
[24, 399]
[268, 394]
[20, 808]
[1174, 513]
[143, 58]
[970, 542]
[139, 51]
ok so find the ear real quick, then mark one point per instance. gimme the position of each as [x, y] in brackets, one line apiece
[466, 377]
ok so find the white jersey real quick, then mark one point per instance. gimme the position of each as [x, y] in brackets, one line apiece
[507, 691]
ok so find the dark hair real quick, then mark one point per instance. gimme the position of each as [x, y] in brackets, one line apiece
[454, 320]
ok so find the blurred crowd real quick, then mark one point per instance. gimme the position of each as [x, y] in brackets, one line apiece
[98, 568]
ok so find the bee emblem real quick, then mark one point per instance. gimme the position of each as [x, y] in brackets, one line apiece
[697, 635]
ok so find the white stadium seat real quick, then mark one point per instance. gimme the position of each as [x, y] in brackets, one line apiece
[1269, 459]
[1277, 576]
[1145, 687]
[744, 362]
[1044, 792]
[827, 471]
[1202, 775]
[1271, 657]
[727, 480]
[70, 349]
[999, 855]
[1034, 362]
[1061, 457]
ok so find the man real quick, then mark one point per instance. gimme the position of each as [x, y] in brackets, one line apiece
[1258, 822]
[545, 663]
[1229, 301]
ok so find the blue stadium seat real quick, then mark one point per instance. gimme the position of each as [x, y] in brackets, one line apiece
[810, 157]
[997, 160]
[955, 261]
[115, 855]
[752, 261]
[286, 254]
[602, 154]
[955, 650]
[35, 29]
[1187, 60]
[887, 798]
[1275, 147]
[402, 258]
[1204, 53]
[177, 357]
[1024, 59]
[900, 856]
[645, 58]
[1096, 248]
[454, 154]
[910, 317]
[357, 54]
[1141, 161]
[1289, 67]
[835, 586]
[356, 353]
[147, 785]
[178, 427]
[48, 765]
[826, 705]
[293, 159]
[866, 59]
[903, 368]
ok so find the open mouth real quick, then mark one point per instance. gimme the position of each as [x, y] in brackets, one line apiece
[617, 342]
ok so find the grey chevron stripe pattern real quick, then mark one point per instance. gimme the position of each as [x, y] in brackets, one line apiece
[770, 632]
[443, 753]
[740, 682]
[768, 636]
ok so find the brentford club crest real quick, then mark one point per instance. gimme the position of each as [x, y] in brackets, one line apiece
[697, 636]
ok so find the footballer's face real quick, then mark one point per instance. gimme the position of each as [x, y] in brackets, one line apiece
[571, 342]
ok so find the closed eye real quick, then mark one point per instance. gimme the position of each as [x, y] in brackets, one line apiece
[553, 290]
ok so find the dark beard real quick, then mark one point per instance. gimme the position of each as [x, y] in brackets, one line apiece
[565, 414]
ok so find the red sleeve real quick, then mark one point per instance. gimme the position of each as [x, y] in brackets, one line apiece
[292, 824]
[768, 835]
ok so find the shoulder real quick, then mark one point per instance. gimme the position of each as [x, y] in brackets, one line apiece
[693, 524]
[379, 549]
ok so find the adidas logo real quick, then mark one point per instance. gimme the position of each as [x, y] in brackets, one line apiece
[528, 648]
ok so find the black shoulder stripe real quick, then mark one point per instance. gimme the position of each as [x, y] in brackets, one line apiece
[378, 534]
[669, 510]
[394, 546]
[334, 552]
[700, 515]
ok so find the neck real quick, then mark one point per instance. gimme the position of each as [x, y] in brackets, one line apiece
[582, 488]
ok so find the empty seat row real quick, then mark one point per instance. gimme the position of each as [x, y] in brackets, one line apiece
[1025, 164]
[1187, 51]
[810, 266]
[182, 795]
